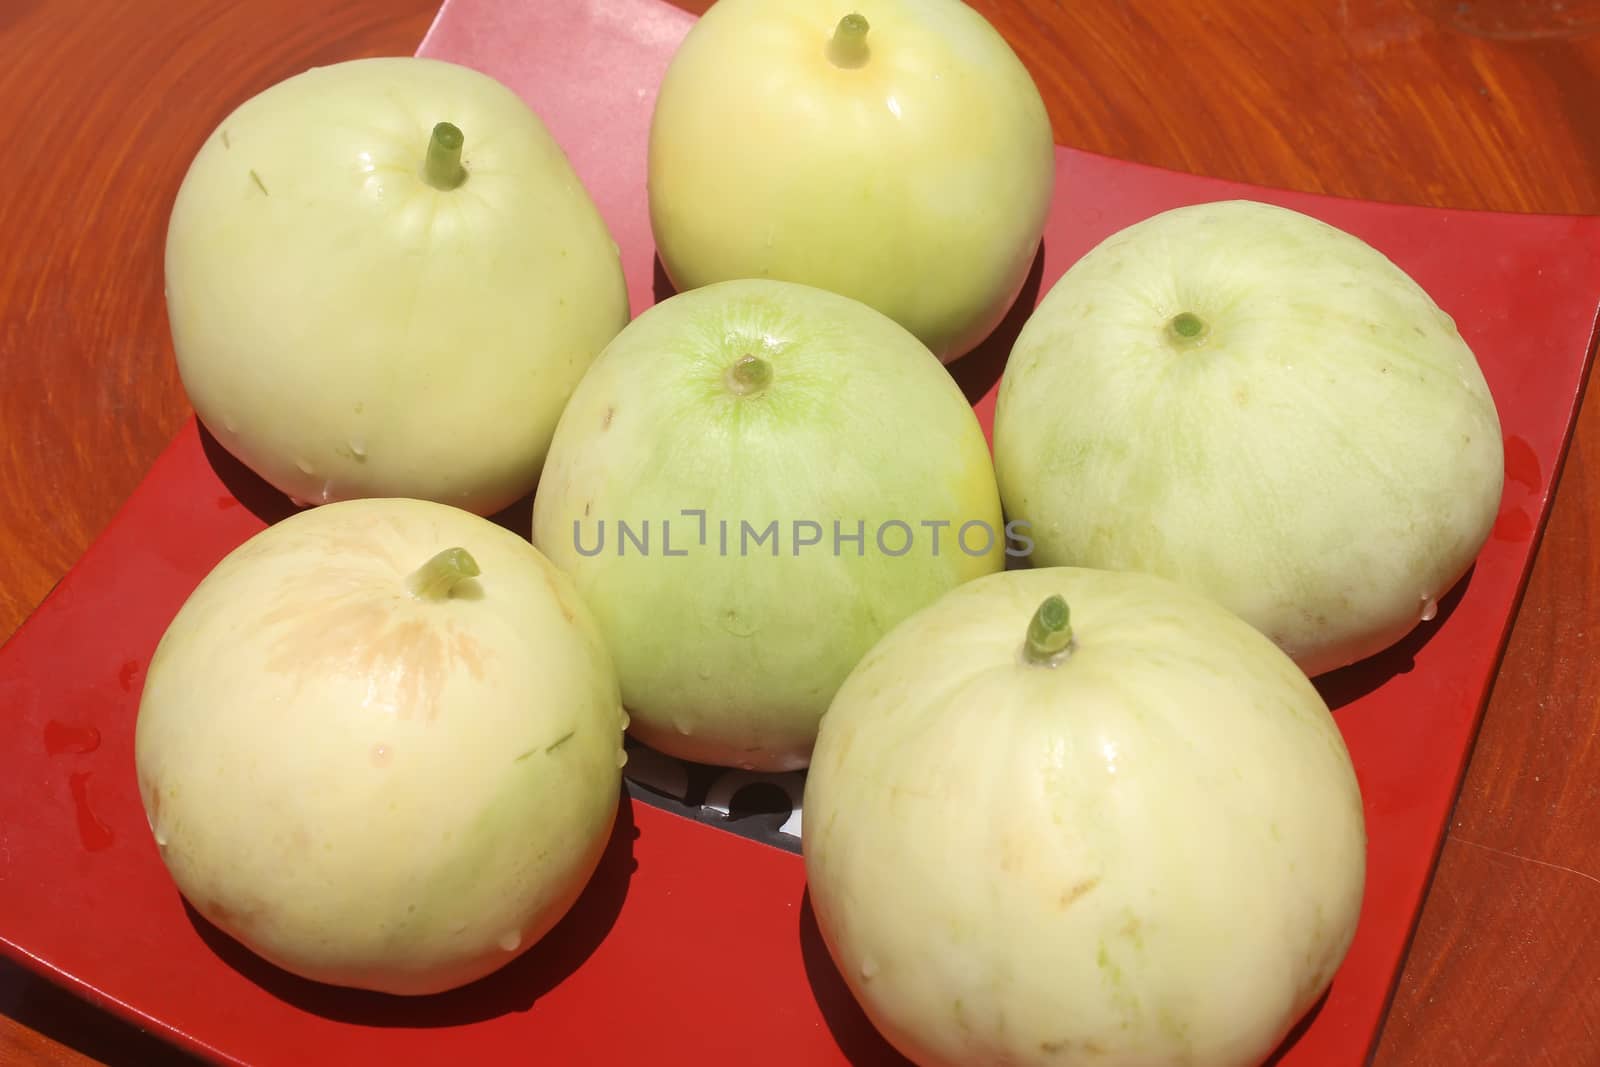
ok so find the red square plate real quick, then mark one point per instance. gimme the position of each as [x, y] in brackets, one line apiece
[693, 944]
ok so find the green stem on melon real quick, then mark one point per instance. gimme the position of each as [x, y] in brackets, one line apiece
[750, 374]
[1049, 633]
[1186, 329]
[442, 169]
[438, 578]
[848, 46]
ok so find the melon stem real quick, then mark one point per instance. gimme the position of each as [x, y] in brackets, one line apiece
[438, 578]
[442, 168]
[1049, 633]
[847, 48]
[750, 374]
[1186, 328]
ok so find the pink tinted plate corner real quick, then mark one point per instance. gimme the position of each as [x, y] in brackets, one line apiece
[693, 945]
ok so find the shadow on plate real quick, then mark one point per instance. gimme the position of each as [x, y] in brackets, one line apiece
[248, 488]
[852, 1031]
[513, 988]
[517, 517]
[270, 505]
[1286, 1046]
[65, 1018]
[1349, 684]
[978, 370]
[661, 286]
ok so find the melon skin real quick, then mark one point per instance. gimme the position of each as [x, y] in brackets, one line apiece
[1325, 459]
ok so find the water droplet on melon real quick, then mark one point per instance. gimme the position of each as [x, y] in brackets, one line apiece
[358, 448]
[511, 942]
[869, 968]
[625, 720]
[622, 757]
[305, 468]
[683, 727]
[1430, 608]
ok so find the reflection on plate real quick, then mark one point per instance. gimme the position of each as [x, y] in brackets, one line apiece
[763, 807]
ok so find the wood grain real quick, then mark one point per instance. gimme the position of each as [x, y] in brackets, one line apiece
[1470, 105]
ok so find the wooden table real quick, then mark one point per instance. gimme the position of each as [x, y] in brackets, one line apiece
[1472, 105]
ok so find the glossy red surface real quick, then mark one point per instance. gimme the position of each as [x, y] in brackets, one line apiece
[692, 945]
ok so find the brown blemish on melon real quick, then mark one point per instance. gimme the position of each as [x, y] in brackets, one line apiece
[1072, 895]
[405, 650]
